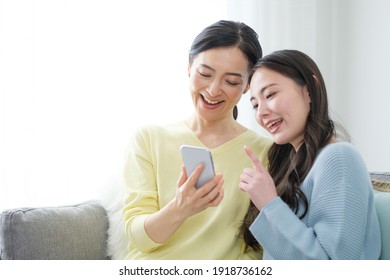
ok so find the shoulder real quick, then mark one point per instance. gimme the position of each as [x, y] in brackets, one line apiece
[339, 153]
[151, 131]
[150, 140]
[340, 162]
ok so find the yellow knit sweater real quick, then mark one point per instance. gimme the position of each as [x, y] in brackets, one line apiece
[153, 165]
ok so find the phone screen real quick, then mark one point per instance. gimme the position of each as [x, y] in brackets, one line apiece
[192, 157]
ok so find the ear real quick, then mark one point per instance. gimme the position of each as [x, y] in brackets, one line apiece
[306, 93]
[246, 89]
[317, 84]
[315, 78]
[189, 69]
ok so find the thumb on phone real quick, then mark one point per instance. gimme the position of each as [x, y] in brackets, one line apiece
[183, 176]
[192, 178]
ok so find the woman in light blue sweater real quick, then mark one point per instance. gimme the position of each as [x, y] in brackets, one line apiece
[314, 200]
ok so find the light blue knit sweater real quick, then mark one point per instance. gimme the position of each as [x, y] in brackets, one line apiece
[341, 222]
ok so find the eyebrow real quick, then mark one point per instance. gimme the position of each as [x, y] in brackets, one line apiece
[228, 73]
[263, 89]
[267, 86]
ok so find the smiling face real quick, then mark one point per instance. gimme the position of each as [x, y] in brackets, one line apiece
[218, 78]
[281, 105]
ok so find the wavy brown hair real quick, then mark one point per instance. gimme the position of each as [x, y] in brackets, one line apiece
[319, 130]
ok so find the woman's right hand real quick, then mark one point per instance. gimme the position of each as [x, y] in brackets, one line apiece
[190, 200]
[257, 182]
[161, 225]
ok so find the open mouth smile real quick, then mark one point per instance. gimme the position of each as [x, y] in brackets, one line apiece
[272, 126]
[210, 102]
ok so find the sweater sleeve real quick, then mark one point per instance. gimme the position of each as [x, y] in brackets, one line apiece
[141, 189]
[340, 207]
[283, 236]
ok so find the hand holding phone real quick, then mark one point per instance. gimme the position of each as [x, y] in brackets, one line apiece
[192, 157]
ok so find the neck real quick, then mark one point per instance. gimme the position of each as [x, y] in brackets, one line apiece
[215, 133]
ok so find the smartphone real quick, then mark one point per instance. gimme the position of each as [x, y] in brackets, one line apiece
[192, 157]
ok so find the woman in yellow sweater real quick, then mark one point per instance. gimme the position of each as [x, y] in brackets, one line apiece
[166, 217]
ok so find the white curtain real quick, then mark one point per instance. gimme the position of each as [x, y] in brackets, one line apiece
[76, 78]
[350, 41]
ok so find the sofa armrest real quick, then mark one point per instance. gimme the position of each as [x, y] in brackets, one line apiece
[381, 185]
[57, 233]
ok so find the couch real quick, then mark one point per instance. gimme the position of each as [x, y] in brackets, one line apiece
[81, 232]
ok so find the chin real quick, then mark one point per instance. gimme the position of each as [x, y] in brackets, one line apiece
[280, 141]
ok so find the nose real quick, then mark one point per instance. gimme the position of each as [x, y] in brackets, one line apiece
[214, 88]
[262, 110]
[262, 113]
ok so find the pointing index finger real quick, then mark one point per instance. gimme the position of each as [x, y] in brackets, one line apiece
[257, 165]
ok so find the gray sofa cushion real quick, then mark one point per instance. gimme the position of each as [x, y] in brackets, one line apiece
[56, 233]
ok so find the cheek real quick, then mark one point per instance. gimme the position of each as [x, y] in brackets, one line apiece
[237, 94]
[281, 106]
[233, 93]
[194, 82]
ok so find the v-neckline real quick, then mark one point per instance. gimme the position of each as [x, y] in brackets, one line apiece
[219, 148]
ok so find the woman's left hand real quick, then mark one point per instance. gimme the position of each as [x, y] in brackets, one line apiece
[257, 182]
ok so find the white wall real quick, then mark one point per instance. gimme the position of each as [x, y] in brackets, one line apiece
[350, 41]
[76, 78]
[364, 76]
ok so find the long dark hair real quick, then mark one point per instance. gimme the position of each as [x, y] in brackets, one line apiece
[225, 33]
[319, 130]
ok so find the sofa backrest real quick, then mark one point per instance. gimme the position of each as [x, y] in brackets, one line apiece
[54, 233]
